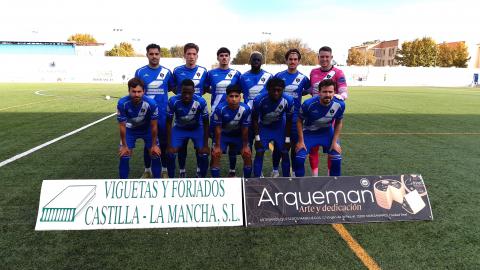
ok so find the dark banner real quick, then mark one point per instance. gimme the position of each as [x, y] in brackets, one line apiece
[346, 199]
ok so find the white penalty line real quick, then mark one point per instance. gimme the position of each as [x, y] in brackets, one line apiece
[28, 152]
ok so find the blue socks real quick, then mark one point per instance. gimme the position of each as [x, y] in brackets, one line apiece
[285, 164]
[257, 165]
[336, 164]
[147, 160]
[247, 172]
[171, 159]
[124, 167]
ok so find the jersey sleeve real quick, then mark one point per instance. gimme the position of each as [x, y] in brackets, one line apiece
[204, 109]
[170, 108]
[342, 84]
[121, 113]
[339, 114]
[153, 111]
[247, 119]
[306, 86]
[217, 117]
[303, 110]
[291, 108]
[171, 82]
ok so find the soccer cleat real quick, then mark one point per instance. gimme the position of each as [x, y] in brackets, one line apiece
[183, 175]
[146, 174]
[275, 174]
[164, 174]
[232, 174]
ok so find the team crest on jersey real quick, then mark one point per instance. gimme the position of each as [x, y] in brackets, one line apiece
[229, 75]
[280, 107]
[142, 110]
[262, 79]
[161, 75]
[297, 80]
[332, 111]
[198, 74]
[193, 109]
[238, 115]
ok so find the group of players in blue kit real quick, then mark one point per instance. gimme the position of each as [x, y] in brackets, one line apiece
[271, 111]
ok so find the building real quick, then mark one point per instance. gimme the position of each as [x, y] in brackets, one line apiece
[385, 52]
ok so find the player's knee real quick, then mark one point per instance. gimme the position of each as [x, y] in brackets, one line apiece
[301, 154]
[335, 156]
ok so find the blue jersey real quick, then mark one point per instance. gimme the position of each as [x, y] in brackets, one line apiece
[271, 113]
[157, 83]
[230, 120]
[253, 84]
[198, 75]
[218, 79]
[187, 116]
[137, 117]
[295, 85]
[318, 118]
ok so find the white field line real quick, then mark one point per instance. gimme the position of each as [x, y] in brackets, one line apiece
[28, 152]
[22, 105]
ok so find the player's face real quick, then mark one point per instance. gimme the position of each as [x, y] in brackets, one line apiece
[256, 61]
[187, 93]
[136, 93]
[223, 59]
[233, 99]
[325, 59]
[153, 56]
[326, 94]
[191, 56]
[293, 61]
[275, 92]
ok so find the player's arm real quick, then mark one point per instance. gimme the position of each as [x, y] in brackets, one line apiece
[337, 129]
[124, 150]
[256, 129]
[217, 152]
[301, 143]
[154, 150]
[206, 125]
[341, 86]
[168, 126]
[288, 126]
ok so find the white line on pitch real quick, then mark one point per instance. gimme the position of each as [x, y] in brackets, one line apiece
[28, 152]
[31, 103]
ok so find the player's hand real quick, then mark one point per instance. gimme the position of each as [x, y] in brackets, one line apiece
[124, 151]
[204, 150]
[216, 152]
[155, 150]
[339, 96]
[300, 146]
[335, 146]
[246, 152]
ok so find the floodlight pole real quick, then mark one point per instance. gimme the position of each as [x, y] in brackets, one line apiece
[266, 46]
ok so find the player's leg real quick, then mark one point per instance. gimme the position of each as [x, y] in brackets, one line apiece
[232, 160]
[276, 156]
[147, 161]
[182, 159]
[215, 160]
[162, 139]
[177, 140]
[279, 143]
[202, 158]
[301, 155]
[293, 140]
[124, 163]
[155, 160]
[314, 161]
[259, 153]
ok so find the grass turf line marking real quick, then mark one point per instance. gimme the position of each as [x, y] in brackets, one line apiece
[28, 152]
[368, 261]
[410, 133]
[31, 103]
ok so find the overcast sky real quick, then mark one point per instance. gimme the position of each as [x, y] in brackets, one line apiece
[215, 23]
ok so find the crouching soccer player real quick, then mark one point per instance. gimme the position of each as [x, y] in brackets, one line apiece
[268, 119]
[137, 119]
[319, 124]
[231, 121]
[188, 109]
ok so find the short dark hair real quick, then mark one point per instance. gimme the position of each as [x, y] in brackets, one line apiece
[293, 51]
[153, 46]
[188, 82]
[233, 88]
[325, 49]
[275, 82]
[223, 50]
[134, 82]
[190, 46]
[324, 83]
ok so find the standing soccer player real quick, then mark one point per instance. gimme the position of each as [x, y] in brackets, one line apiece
[296, 85]
[188, 110]
[218, 80]
[268, 120]
[137, 119]
[320, 123]
[198, 75]
[231, 121]
[158, 80]
[326, 71]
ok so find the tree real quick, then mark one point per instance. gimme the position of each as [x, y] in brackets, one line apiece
[165, 52]
[82, 38]
[417, 53]
[453, 55]
[275, 52]
[176, 51]
[124, 49]
[358, 57]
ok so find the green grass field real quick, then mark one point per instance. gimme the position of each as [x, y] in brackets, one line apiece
[394, 130]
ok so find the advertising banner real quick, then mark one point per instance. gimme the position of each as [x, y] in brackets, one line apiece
[140, 203]
[348, 199]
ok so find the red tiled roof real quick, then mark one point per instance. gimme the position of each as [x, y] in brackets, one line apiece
[387, 44]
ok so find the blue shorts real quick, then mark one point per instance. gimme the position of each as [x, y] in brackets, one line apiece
[267, 135]
[312, 140]
[235, 144]
[162, 129]
[132, 136]
[181, 136]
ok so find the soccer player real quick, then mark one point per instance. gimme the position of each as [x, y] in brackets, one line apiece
[320, 124]
[158, 80]
[326, 71]
[296, 85]
[268, 120]
[137, 119]
[189, 110]
[218, 80]
[231, 121]
[253, 82]
[198, 75]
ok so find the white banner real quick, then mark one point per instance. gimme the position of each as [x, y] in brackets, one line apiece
[139, 203]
